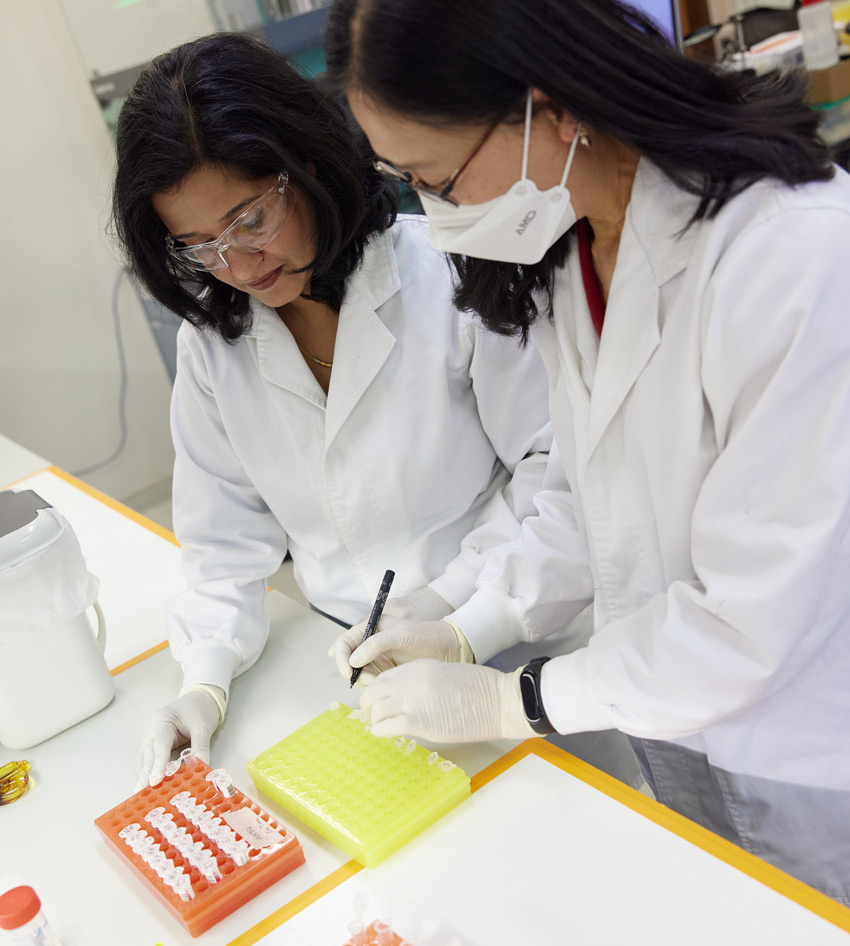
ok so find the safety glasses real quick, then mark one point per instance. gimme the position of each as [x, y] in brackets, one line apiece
[250, 232]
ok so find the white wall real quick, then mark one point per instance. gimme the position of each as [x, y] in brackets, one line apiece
[59, 375]
[113, 35]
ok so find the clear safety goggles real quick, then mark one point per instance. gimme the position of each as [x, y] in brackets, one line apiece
[250, 232]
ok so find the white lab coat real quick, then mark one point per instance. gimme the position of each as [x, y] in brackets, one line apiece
[427, 450]
[704, 500]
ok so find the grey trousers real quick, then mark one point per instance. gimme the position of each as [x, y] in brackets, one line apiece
[802, 830]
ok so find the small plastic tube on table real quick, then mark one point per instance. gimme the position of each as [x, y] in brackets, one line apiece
[22, 918]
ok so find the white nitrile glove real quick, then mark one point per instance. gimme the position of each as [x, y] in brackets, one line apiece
[424, 604]
[444, 703]
[395, 642]
[193, 718]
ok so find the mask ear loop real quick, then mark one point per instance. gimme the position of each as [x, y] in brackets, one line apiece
[571, 155]
[527, 138]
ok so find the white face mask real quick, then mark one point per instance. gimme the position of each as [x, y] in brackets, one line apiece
[519, 226]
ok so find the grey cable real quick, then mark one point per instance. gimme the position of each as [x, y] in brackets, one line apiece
[122, 388]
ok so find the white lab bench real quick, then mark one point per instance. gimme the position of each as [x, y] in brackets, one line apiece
[547, 849]
[48, 836]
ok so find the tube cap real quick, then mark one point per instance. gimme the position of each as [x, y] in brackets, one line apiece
[17, 907]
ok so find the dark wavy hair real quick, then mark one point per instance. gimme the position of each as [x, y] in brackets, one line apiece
[230, 101]
[445, 63]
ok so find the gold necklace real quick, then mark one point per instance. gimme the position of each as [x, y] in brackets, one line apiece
[324, 364]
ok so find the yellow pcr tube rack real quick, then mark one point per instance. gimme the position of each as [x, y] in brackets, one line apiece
[367, 795]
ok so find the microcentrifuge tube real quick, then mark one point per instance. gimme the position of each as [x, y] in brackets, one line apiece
[209, 868]
[225, 786]
[361, 904]
[182, 886]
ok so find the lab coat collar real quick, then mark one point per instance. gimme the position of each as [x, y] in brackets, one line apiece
[278, 358]
[658, 216]
[363, 342]
[654, 248]
[377, 278]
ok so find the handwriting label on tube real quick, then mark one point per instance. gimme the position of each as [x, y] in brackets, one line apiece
[251, 826]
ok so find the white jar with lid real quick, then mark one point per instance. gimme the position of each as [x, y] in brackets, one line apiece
[52, 671]
[22, 918]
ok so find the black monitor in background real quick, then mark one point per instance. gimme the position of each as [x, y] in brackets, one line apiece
[666, 15]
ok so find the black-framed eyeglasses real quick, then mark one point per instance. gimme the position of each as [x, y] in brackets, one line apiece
[440, 191]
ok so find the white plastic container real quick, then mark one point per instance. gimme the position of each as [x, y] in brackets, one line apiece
[22, 918]
[52, 671]
[820, 46]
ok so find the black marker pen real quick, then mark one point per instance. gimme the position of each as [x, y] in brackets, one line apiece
[375, 616]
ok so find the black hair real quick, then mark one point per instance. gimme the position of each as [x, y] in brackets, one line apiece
[228, 100]
[444, 62]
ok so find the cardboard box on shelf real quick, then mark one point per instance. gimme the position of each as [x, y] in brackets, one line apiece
[830, 85]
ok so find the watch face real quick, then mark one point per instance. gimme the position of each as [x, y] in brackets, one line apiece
[530, 699]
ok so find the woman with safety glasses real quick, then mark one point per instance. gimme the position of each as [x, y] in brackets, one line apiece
[330, 400]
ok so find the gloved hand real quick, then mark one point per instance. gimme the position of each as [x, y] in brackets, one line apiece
[424, 604]
[444, 702]
[396, 641]
[192, 718]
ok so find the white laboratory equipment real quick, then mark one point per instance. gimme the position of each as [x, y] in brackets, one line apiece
[52, 671]
[820, 46]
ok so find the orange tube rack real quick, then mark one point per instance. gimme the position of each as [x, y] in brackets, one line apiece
[266, 851]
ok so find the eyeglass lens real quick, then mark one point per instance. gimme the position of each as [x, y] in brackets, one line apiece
[442, 191]
[251, 232]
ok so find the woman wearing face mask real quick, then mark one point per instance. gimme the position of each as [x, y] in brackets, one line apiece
[694, 323]
[330, 400]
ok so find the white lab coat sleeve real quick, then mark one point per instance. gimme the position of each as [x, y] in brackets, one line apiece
[536, 584]
[230, 540]
[771, 517]
[511, 392]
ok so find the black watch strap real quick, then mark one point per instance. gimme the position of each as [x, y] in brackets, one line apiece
[532, 702]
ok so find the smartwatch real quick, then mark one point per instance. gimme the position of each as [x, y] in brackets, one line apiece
[532, 703]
